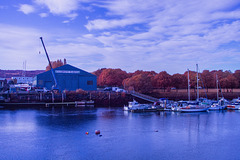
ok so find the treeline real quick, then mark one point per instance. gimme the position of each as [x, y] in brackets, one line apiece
[147, 81]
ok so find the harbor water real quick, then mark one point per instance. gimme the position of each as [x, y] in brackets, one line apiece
[60, 133]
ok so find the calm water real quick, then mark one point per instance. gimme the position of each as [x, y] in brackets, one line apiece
[59, 133]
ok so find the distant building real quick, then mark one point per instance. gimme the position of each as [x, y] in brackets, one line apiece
[22, 80]
[68, 78]
[2, 82]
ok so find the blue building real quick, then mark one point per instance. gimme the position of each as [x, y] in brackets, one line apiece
[68, 78]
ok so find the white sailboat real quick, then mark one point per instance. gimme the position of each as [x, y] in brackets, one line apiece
[220, 105]
[193, 107]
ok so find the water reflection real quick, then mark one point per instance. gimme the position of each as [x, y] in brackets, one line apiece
[17, 121]
[65, 118]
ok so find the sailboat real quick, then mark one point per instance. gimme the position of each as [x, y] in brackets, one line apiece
[193, 106]
[220, 105]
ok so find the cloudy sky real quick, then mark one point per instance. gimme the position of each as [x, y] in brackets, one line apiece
[158, 35]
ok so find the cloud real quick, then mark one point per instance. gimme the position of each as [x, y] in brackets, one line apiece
[59, 7]
[3, 7]
[19, 44]
[136, 34]
[43, 15]
[100, 24]
[26, 8]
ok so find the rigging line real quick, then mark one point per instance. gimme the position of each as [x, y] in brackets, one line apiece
[220, 88]
[202, 83]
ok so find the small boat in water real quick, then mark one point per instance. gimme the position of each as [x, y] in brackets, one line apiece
[233, 106]
[144, 108]
[134, 106]
[131, 105]
[193, 108]
[220, 105]
[163, 104]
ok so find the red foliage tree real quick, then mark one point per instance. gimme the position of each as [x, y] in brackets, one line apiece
[179, 81]
[98, 72]
[236, 74]
[111, 77]
[140, 82]
[162, 80]
[229, 82]
[56, 64]
[208, 79]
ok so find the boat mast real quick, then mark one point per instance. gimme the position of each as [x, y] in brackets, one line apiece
[217, 85]
[55, 81]
[197, 83]
[188, 87]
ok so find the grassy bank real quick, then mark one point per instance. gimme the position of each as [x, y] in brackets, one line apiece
[182, 94]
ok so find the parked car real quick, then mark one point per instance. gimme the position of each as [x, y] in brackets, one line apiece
[44, 90]
[120, 90]
[107, 89]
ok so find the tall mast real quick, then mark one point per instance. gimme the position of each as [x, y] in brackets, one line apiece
[55, 81]
[188, 87]
[197, 83]
[217, 85]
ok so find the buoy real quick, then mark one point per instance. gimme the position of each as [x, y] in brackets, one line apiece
[97, 131]
[156, 130]
[86, 133]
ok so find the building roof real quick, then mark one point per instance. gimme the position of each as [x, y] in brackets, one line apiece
[68, 69]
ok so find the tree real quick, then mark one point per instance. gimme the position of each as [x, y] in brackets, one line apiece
[140, 82]
[232, 81]
[98, 72]
[144, 72]
[208, 79]
[236, 74]
[179, 81]
[56, 64]
[229, 82]
[162, 80]
[111, 77]
[192, 78]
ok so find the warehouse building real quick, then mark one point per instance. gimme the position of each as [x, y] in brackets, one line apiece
[68, 78]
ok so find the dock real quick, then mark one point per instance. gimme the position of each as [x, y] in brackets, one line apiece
[54, 104]
[76, 104]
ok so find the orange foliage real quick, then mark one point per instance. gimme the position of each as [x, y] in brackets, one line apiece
[56, 64]
[111, 77]
[141, 83]
[162, 80]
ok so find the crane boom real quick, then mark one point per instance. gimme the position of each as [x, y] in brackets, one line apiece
[55, 80]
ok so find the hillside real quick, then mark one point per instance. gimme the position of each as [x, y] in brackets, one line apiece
[19, 73]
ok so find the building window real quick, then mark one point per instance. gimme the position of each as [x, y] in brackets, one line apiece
[40, 82]
[89, 82]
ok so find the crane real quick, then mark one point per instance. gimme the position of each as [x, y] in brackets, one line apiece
[54, 77]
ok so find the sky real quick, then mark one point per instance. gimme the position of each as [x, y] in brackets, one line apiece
[153, 35]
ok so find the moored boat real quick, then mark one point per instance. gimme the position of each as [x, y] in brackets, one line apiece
[234, 106]
[134, 106]
[193, 108]
[144, 108]
[219, 105]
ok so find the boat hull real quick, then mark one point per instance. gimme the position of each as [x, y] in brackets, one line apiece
[193, 110]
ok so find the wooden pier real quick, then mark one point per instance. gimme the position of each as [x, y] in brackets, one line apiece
[54, 104]
[76, 104]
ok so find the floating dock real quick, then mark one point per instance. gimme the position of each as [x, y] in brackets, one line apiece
[54, 104]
